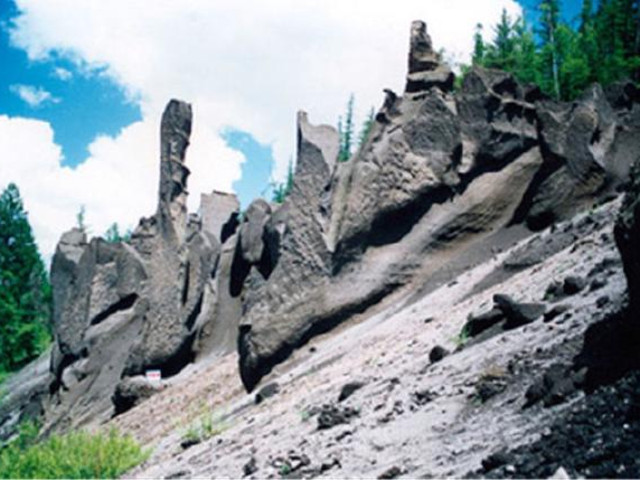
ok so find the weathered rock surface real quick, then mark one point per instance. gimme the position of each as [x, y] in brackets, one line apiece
[121, 308]
[442, 179]
[432, 420]
[219, 212]
[282, 312]
[438, 175]
[426, 69]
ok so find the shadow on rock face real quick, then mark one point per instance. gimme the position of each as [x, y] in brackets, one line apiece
[597, 437]
[610, 349]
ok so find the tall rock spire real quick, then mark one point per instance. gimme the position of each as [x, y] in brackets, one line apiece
[174, 139]
[426, 69]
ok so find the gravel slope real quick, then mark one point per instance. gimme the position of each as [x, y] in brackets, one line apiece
[409, 417]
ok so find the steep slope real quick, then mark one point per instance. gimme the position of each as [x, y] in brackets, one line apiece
[410, 414]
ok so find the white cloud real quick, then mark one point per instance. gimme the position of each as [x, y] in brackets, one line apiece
[62, 73]
[33, 96]
[249, 65]
[118, 183]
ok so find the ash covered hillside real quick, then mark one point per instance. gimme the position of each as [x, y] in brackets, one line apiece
[454, 288]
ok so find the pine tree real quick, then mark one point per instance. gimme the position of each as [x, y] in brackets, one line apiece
[524, 53]
[283, 189]
[25, 294]
[549, 15]
[504, 42]
[113, 235]
[478, 47]
[574, 70]
[80, 217]
[588, 42]
[366, 128]
[346, 134]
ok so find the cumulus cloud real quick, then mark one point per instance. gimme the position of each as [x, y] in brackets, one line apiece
[33, 96]
[249, 65]
[118, 183]
[62, 73]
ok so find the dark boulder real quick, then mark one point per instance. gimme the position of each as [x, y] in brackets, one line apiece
[268, 391]
[349, 389]
[437, 353]
[573, 284]
[627, 235]
[477, 324]
[132, 391]
[518, 314]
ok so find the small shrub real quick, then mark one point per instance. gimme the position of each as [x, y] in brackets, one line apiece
[285, 469]
[462, 338]
[305, 415]
[204, 427]
[73, 455]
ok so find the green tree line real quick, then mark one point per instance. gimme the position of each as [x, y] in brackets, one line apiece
[602, 45]
[25, 293]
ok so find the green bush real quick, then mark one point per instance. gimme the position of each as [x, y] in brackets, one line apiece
[74, 455]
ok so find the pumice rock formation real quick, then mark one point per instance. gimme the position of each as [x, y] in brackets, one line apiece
[442, 176]
[445, 180]
[122, 308]
[426, 69]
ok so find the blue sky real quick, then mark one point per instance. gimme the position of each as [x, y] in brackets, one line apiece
[83, 103]
[83, 85]
[570, 10]
[256, 170]
[78, 105]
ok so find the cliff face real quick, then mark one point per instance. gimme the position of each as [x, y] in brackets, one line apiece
[444, 179]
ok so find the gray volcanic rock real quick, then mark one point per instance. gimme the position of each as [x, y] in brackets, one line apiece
[121, 308]
[441, 180]
[132, 391]
[178, 264]
[497, 122]
[576, 140]
[516, 313]
[364, 228]
[252, 229]
[217, 326]
[408, 162]
[627, 235]
[175, 130]
[104, 281]
[219, 213]
[277, 317]
[63, 275]
[426, 69]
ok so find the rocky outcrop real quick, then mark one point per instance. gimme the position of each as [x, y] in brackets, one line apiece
[627, 235]
[219, 212]
[426, 69]
[284, 309]
[122, 308]
[441, 176]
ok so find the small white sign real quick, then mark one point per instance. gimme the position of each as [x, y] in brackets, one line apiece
[153, 376]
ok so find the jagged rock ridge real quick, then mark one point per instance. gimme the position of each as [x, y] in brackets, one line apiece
[440, 179]
[440, 176]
